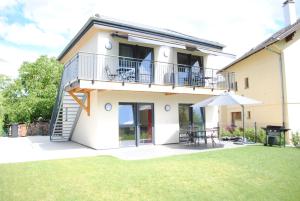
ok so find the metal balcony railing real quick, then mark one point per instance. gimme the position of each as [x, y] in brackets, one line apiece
[98, 67]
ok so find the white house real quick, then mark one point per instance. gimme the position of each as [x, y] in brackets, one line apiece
[126, 84]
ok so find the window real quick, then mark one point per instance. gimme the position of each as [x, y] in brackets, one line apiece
[189, 60]
[189, 116]
[190, 69]
[246, 83]
[235, 116]
[248, 115]
[138, 58]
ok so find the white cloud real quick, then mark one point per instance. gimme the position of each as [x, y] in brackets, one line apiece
[7, 3]
[239, 24]
[30, 34]
[12, 58]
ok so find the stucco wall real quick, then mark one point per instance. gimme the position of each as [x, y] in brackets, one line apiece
[291, 71]
[100, 130]
[263, 70]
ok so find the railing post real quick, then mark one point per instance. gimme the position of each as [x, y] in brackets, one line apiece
[212, 79]
[173, 75]
[78, 66]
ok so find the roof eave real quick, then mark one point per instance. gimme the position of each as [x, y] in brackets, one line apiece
[97, 21]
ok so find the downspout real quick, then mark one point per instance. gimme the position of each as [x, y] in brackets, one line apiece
[282, 82]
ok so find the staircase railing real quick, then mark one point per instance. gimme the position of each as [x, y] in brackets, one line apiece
[67, 75]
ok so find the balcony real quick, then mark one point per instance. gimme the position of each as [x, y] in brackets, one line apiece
[107, 68]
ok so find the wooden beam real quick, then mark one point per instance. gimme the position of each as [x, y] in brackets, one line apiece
[87, 108]
[168, 94]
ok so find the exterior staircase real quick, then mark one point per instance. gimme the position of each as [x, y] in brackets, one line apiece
[66, 110]
[67, 116]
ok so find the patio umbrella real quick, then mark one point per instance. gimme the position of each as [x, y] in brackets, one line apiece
[228, 99]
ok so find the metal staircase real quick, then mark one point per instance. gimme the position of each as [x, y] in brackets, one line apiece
[66, 110]
[66, 118]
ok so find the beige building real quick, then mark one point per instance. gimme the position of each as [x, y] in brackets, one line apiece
[126, 84]
[270, 73]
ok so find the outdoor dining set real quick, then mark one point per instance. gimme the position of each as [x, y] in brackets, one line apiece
[193, 135]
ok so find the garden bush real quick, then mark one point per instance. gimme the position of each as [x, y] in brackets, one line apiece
[249, 134]
[295, 138]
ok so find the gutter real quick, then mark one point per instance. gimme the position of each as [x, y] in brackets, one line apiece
[282, 82]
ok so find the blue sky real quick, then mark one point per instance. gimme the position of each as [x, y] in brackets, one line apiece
[30, 28]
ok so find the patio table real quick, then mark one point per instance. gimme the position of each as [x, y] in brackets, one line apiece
[126, 73]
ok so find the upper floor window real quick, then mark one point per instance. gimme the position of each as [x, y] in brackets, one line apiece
[189, 60]
[137, 52]
[190, 69]
[246, 83]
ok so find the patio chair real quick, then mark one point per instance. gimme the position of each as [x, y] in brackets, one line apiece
[111, 76]
[184, 136]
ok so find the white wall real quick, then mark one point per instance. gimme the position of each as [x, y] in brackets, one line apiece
[292, 72]
[101, 129]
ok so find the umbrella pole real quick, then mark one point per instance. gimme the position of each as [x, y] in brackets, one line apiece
[243, 118]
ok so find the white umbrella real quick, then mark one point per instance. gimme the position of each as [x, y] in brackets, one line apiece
[228, 99]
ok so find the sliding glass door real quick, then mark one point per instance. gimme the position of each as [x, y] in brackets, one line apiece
[145, 123]
[135, 124]
[191, 116]
[190, 70]
[127, 124]
[139, 59]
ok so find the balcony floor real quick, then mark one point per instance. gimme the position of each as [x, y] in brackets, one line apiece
[127, 86]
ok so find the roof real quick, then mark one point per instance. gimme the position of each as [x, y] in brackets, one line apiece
[279, 35]
[129, 26]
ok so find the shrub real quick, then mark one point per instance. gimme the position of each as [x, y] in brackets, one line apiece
[225, 133]
[249, 134]
[261, 136]
[295, 138]
[237, 133]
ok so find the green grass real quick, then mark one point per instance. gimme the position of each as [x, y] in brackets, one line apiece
[250, 173]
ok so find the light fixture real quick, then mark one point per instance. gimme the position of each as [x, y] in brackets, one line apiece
[167, 108]
[108, 45]
[108, 107]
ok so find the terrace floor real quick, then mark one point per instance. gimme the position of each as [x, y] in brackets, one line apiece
[34, 148]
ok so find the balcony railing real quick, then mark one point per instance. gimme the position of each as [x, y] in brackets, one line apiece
[98, 67]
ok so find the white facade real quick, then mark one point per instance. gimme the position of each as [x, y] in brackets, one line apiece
[100, 128]
[291, 63]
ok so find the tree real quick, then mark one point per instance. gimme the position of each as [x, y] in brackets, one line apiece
[4, 82]
[32, 94]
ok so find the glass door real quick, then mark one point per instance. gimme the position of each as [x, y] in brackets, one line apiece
[135, 124]
[191, 116]
[127, 124]
[145, 123]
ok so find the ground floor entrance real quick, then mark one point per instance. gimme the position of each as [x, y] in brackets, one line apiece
[136, 124]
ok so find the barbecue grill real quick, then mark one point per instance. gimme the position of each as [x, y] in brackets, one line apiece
[274, 135]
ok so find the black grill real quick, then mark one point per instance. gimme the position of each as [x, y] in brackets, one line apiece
[275, 135]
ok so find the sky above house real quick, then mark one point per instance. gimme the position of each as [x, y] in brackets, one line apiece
[30, 28]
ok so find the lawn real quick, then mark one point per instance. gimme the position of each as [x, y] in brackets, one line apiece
[250, 173]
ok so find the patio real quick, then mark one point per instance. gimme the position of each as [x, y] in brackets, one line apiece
[34, 148]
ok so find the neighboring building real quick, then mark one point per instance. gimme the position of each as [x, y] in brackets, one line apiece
[270, 73]
[126, 84]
